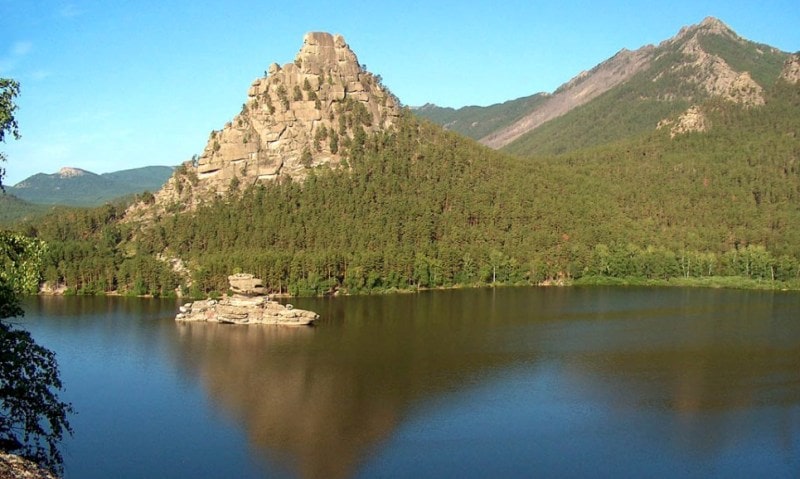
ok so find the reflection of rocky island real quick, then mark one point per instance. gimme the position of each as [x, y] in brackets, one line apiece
[321, 400]
[247, 305]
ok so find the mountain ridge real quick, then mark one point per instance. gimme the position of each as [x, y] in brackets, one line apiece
[406, 204]
[701, 61]
[71, 186]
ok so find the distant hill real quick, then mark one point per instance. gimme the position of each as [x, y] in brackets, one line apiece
[13, 209]
[476, 121]
[627, 95]
[76, 187]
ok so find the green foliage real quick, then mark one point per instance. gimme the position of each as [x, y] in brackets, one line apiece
[306, 158]
[419, 207]
[283, 96]
[334, 145]
[14, 210]
[91, 189]
[89, 253]
[20, 257]
[32, 418]
[9, 89]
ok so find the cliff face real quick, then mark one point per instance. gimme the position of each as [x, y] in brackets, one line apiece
[297, 117]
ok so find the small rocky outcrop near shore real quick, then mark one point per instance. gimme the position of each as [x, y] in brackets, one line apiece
[247, 305]
[15, 467]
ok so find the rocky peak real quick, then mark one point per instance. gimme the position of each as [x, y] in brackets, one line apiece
[709, 26]
[69, 172]
[715, 26]
[298, 116]
[708, 70]
[322, 53]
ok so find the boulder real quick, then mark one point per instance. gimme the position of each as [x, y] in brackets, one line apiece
[239, 309]
[247, 305]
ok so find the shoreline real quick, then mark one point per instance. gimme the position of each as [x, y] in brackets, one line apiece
[714, 282]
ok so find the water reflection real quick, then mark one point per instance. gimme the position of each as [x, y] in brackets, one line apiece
[699, 371]
[322, 398]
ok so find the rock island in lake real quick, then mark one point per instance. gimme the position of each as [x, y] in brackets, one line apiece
[247, 305]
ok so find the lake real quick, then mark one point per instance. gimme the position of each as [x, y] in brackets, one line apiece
[509, 382]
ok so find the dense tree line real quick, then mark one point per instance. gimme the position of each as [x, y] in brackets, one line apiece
[419, 207]
[91, 251]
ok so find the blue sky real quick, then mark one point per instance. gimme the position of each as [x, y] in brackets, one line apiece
[110, 85]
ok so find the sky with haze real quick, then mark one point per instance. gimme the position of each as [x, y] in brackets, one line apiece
[112, 85]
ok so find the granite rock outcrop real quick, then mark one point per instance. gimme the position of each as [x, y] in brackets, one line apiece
[297, 117]
[791, 69]
[247, 305]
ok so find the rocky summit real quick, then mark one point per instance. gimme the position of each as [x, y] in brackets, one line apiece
[296, 117]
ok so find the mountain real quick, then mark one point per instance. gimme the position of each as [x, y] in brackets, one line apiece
[77, 187]
[296, 118]
[630, 93]
[391, 202]
[14, 210]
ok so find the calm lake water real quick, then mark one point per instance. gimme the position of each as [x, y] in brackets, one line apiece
[512, 382]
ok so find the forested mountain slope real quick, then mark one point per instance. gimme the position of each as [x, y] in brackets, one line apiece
[407, 204]
[76, 187]
[420, 207]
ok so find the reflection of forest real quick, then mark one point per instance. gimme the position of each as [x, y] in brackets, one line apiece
[321, 399]
[703, 363]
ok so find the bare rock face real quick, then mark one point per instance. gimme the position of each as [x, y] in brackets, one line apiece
[791, 69]
[245, 310]
[718, 79]
[296, 117]
[246, 284]
[583, 88]
[691, 120]
[16, 467]
[247, 305]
